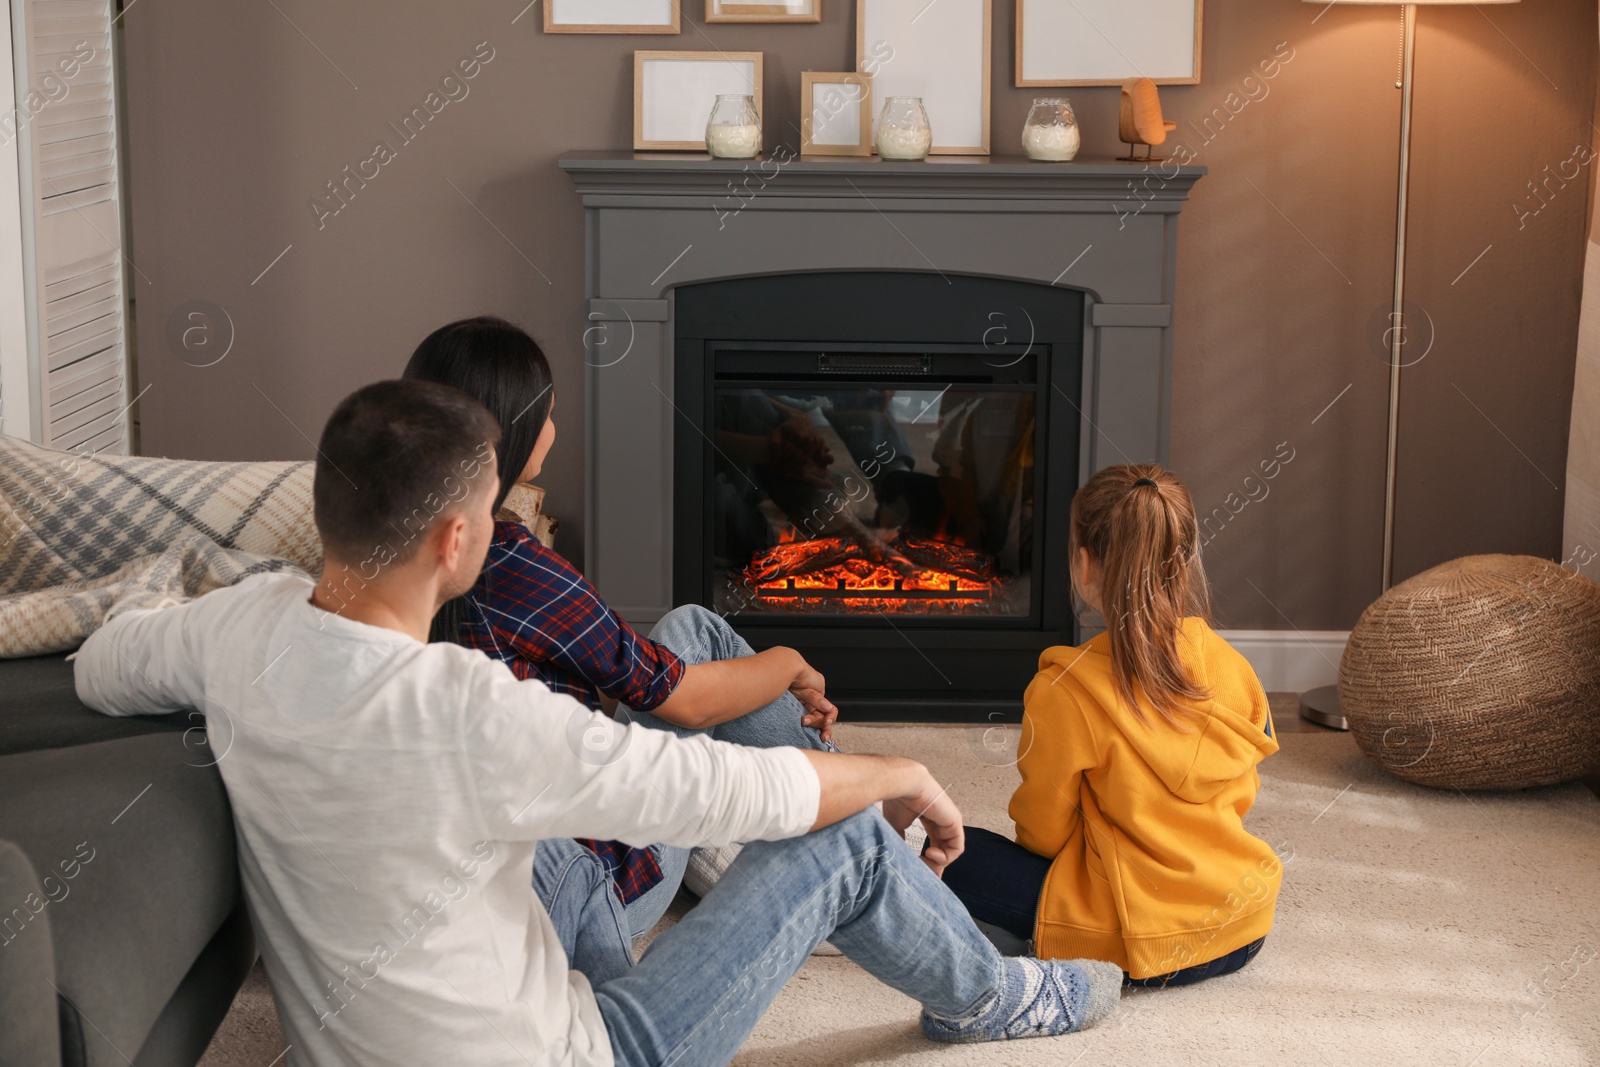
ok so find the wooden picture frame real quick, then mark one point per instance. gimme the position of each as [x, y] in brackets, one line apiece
[763, 10]
[612, 16]
[833, 144]
[670, 105]
[938, 51]
[1106, 42]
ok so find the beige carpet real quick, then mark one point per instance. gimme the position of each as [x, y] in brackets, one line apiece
[1416, 928]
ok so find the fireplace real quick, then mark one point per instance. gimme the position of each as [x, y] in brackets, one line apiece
[846, 403]
[883, 475]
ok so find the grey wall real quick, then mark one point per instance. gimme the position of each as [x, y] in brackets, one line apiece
[238, 114]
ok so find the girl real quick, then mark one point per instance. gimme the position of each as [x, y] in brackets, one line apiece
[1138, 757]
[534, 611]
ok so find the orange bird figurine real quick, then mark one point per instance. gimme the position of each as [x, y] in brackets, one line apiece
[1140, 121]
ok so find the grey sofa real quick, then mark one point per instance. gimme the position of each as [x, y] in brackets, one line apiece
[123, 934]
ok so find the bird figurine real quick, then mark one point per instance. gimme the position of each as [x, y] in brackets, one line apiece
[1140, 121]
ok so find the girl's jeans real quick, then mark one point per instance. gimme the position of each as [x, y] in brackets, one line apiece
[1000, 883]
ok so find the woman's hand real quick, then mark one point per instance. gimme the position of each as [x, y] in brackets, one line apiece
[808, 687]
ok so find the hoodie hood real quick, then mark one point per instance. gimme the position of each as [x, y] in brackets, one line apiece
[1198, 760]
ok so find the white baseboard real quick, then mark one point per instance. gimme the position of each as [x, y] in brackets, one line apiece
[1290, 661]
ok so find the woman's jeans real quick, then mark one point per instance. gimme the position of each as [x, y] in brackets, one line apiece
[1000, 883]
[565, 874]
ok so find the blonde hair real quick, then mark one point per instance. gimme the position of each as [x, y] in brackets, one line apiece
[1138, 523]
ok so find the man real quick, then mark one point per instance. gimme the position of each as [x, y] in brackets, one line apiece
[388, 795]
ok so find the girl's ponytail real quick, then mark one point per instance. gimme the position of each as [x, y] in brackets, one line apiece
[1138, 523]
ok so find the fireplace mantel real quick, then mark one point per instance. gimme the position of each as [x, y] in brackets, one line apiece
[961, 177]
[655, 221]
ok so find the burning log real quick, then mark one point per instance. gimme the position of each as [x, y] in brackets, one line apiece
[906, 566]
[947, 557]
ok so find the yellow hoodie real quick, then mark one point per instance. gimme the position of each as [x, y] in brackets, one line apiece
[1153, 869]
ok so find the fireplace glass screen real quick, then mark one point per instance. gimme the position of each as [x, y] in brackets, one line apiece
[873, 497]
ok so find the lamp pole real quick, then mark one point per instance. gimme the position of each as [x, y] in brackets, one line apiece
[1397, 322]
[1321, 705]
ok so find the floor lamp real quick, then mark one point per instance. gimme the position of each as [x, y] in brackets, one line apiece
[1322, 705]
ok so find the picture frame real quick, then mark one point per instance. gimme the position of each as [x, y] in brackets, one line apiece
[939, 52]
[763, 10]
[1106, 42]
[673, 93]
[612, 16]
[846, 98]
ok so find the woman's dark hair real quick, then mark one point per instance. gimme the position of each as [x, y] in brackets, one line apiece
[505, 370]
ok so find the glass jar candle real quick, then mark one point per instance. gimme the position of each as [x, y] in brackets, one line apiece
[1051, 133]
[903, 130]
[734, 131]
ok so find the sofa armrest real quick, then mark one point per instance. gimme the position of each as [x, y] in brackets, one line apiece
[32, 1030]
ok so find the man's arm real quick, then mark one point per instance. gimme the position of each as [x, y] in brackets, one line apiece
[908, 791]
[543, 765]
[144, 662]
[712, 693]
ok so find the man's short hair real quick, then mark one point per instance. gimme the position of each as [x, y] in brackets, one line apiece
[394, 456]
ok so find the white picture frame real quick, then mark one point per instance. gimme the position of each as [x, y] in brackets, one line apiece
[612, 16]
[939, 52]
[835, 113]
[763, 10]
[1106, 42]
[673, 93]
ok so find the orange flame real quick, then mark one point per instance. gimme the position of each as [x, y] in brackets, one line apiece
[911, 569]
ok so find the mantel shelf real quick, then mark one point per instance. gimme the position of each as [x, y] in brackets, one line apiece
[698, 174]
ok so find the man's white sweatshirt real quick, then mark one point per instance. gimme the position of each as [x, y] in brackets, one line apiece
[387, 797]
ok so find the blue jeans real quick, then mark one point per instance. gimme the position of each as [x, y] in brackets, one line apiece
[698, 635]
[703, 985]
[562, 878]
[576, 889]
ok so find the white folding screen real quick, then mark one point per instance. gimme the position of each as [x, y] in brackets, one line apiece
[16, 414]
[63, 126]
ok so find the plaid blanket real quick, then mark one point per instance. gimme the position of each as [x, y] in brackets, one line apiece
[63, 616]
[81, 534]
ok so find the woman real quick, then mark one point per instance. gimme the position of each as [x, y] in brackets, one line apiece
[535, 612]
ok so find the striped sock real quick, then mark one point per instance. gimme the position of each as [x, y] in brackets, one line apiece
[1037, 998]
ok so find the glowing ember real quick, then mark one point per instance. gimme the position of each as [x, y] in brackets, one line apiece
[874, 577]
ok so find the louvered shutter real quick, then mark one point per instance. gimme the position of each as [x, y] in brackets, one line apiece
[69, 161]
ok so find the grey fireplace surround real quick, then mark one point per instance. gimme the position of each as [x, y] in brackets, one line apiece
[655, 221]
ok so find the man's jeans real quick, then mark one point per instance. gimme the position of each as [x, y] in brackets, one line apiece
[703, 985]
[572, 882]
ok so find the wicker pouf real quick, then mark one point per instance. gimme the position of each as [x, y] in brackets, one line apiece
[1482, 673]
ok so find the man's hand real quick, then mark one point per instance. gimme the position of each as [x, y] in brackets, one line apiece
[808, 687]
[908, 792]
[931, 804]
